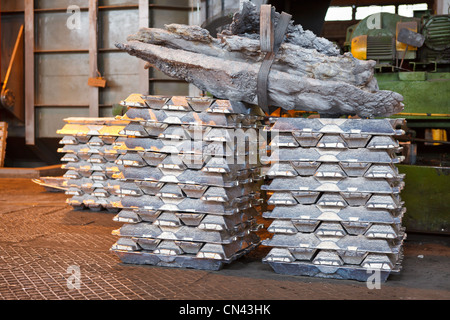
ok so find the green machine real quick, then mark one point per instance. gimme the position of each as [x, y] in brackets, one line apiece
[422, 75]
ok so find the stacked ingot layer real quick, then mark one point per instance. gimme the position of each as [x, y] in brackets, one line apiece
[188, 188]
[334, 190]
[89, 158]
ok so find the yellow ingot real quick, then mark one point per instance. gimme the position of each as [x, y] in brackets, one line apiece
[133, 100]
[74, 130]
[111, 130]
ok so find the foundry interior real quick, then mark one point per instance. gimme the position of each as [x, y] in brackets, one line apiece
[224, 150]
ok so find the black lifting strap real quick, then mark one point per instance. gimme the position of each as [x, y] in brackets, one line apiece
[271, 41]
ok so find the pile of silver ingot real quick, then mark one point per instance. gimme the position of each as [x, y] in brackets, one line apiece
[89, 158]
[189, 184]
[334, 190]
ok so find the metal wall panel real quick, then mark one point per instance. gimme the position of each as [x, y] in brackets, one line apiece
[116, 26]
[118, 2]
[160, 17]
[61, 79]
[53, 33]
[120, 71]
[12, 5]
[61, 57]
[170, 88]
[51, 4]
[50, 119]
[179, 3]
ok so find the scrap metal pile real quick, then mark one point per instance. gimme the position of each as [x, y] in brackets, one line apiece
[185, 172]
[335, 196]
[308, 72]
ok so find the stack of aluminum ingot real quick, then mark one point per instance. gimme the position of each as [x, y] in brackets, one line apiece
[89, 158]
[335, 195]
[189, 182]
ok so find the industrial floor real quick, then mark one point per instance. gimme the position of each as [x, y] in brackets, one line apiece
[42, 240]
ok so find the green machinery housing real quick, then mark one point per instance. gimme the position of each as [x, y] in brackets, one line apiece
[422, 75]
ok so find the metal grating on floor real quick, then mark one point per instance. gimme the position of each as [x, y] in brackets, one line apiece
[40, 238]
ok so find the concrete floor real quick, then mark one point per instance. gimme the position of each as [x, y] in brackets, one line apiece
[42, 240]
